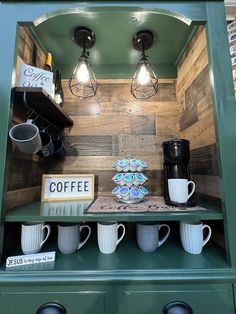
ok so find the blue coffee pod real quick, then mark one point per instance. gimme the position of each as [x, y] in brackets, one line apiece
[128, 178]
[124, 192]
[124, 164]
[116, 190]
[143, 190]
[134, 192]
[115, 164]
[118, 178]
[142, 165]
[133, 164]
[139, 178]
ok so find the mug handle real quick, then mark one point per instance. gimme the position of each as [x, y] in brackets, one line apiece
[123, 233]
[193, 188]
[209, 234]
[86, 239]
[48, 227]
[29, 121]
[165, 236]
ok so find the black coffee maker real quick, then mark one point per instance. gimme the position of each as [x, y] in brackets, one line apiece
[176, 166]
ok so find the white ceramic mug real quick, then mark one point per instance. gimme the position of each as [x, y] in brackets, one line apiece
[107, 234]
[33, 236]
[26, 137]
[148, 238]
[178, 190]
[69, 238]
[192, 236]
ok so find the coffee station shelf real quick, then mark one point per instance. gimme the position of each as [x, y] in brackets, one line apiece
[39, 102]
[169, 262]
[73, 211]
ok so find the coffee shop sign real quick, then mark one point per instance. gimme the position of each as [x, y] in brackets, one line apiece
[56, 187]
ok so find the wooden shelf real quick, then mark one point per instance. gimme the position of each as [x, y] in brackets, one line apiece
[42, 103]
[75, 211]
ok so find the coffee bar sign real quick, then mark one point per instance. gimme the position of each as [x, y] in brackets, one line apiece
[34, 77]
[56, 187]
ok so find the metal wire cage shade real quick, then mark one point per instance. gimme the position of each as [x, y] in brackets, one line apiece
[144, 82]
[82, 82]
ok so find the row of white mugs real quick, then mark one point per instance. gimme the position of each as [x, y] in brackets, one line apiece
[33, 236]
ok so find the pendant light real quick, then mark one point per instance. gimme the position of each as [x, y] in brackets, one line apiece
[82, 83]
[144, 83]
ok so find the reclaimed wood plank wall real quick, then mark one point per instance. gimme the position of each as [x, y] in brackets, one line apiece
[25, 171]
[113, 124]
[194, 94]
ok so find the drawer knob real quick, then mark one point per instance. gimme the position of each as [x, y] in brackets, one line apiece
[51, 308]
[177, 307]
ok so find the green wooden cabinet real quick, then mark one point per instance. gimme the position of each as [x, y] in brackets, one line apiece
[118, 298]
[203, 298]
[128, 282]
[76, 300]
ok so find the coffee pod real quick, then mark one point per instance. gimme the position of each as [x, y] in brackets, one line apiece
[135, 193]
[116, 191]
[116, 166]
[124, 164]
[143, 191]
[118, 179]
[139, 179]
[129, 178]
[133, 164]
[142, 165]
[124, 192]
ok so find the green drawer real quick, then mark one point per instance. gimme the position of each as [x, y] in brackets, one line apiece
[204, 299]
[75, 302]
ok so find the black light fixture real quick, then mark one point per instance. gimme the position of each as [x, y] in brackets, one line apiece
[144, 83]
[82, 83]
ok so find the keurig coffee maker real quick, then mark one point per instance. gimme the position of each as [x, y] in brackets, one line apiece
[176, 166]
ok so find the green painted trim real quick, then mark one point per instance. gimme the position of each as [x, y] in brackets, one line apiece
[225, 117]
[38, 12]
[9, 33]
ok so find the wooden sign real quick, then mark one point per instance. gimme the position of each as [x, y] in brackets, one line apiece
[34, 77]
[56, 187]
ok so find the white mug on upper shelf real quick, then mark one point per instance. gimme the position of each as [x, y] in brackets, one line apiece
[178, 190]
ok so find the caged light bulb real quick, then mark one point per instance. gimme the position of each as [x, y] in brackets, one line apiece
[82, 73]
[143, 75]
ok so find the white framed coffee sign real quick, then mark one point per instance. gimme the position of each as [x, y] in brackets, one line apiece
[61, 187]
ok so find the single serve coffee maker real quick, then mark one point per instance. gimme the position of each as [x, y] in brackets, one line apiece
[176, 166]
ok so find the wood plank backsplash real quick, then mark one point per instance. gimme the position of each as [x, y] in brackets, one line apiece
[193, 91]
[113, 124]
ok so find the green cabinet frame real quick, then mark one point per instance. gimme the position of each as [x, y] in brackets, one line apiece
[210, 13]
